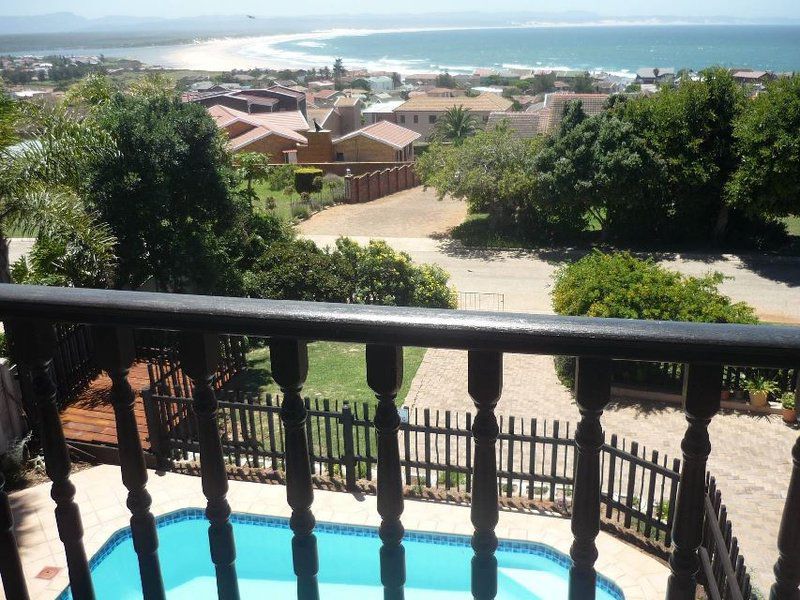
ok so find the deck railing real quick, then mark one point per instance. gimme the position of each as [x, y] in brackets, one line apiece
[704, 348]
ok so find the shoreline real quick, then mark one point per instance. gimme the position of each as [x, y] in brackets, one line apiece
[243, 52]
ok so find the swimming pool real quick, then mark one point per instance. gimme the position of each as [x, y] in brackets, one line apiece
[437, 565]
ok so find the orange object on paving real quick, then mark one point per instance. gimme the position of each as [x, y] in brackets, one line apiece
[90, 417]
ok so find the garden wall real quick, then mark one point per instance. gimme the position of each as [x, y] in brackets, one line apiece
[370, 186]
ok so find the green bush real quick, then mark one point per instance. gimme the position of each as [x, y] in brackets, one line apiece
[3, 346]
[619, 285]
[304, 178]
[279, 177]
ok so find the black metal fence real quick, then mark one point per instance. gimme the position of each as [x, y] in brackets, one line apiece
[535, 458]
[668, 377]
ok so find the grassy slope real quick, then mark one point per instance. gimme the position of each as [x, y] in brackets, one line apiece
[335, 371]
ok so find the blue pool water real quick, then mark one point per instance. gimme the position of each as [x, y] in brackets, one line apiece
[437, 565]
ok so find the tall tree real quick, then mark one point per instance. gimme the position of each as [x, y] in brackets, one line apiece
[338, 70]
[166, 193]
[767, 136]
[455, 125]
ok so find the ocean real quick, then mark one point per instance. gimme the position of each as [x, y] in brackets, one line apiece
[620, 49]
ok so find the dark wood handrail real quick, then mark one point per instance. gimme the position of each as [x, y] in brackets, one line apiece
[749, 345]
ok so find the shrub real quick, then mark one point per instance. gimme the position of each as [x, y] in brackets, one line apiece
[316, 184]
[622, 286]
[300, 211]
[304, 178]
[279, 177]
[335, 186]
[3, 345]
[619, 285]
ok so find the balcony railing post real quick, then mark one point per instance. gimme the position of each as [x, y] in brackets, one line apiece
[592, 393]
[787, 568]
[115, 353]
[289, 361]
[702, 400]
[485, 383]
[35, 342]
[385, 376]
[349, 458]
[199, 357]
[10, 563]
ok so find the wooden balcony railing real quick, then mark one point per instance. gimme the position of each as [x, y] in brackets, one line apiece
[31, 313]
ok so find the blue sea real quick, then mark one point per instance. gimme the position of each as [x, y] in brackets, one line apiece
[595, 48]
[620, 49]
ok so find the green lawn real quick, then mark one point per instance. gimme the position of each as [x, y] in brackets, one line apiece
[793, 225]
[336, 372]
[283, 202]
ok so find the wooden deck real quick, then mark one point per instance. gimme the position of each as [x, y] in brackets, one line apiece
[90, 418]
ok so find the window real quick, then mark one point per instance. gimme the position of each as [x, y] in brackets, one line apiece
[486, 119]
[431, 118]
[416, 118]
[402, 118]
[339, 156]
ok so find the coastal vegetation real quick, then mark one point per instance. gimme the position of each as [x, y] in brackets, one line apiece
[146, 193]
[689, 165]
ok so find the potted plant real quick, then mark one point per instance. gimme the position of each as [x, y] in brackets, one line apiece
[789, 408]
[759, 388]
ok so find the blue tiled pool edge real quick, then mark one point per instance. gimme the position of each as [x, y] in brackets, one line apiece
[450, 539]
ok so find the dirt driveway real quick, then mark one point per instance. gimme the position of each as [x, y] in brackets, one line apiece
[411, 213]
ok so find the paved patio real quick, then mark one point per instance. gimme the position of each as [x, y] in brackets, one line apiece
[102, 501]
[751, 455]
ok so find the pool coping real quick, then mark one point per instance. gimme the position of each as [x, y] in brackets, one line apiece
[451, 539]
[102, 500]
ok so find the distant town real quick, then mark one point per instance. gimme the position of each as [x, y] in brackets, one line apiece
[335, 107]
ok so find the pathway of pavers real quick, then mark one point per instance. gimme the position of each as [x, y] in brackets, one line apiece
[751, 456]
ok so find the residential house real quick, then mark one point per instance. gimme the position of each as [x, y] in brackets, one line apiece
[380, 83]
[422, 78]
[523, 124]
[378, 142]
[551, 111]
[482, 89]
[440, 92]
[273, 99]
[420, 113]
[655, 75]
[752, 77]
[322, 84]
[341, 118]
[382, 111]
[273, 134]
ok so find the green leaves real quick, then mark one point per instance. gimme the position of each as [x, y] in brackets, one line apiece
[619, 285]
[455, 125]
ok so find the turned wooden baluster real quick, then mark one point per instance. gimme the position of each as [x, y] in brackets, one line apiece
[592, 392]
[10, 564]
[702, 392]
[787, 568]
[385, 376]
[115, 352]
[199, 359]
[36, 342]
[289, 361]
[485, 382]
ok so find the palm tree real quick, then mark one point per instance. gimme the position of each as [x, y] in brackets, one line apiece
[41, 184]
[456, 125]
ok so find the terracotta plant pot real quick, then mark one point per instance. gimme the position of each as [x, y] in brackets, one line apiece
[758, 399]
[789, 415]
[725, 395]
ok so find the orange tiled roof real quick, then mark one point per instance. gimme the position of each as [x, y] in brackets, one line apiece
[484, 102]
[385, 132]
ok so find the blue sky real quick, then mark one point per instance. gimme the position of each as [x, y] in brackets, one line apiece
[625, 8]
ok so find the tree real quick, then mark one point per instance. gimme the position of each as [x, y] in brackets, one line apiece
[338, 69]
[691, 126]
[619, 285]
[166, 193]
[251, 167]
[573, 116]
[93, 90]
[361, 84]
[445, 80]
[152, 85]
[455, 125]
[40, 189]
[767, 138]
[583, 84]
[603, 168]
[541, 84]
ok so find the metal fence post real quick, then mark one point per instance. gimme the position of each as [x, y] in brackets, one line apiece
[349, 458]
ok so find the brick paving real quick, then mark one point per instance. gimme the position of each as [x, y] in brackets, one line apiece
[751, 456]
